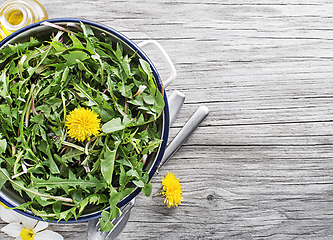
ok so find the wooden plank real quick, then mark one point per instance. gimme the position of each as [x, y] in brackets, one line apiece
[259, 167]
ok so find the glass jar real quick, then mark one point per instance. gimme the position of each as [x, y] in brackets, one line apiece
[15, 14]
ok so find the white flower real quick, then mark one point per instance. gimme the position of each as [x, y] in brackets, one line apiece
[24, 228]
[140, 90]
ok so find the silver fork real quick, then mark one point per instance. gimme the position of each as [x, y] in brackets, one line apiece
[119, 223]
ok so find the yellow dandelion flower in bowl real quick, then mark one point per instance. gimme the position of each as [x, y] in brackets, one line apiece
[172, 190]
[82, 123]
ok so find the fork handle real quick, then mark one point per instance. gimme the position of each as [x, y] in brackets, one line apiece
[194, 121]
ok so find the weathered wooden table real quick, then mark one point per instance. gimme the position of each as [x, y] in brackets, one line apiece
[261, 165]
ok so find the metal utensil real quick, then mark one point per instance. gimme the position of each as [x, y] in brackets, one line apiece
[194, 121]
[180, 138]
[175, 100]
[119, 223]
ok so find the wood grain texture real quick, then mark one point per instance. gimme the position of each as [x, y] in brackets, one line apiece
[260, 166]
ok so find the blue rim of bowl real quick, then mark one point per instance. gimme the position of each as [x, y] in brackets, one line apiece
[165, 132]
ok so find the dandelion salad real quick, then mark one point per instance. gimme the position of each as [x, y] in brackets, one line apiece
[79, 116]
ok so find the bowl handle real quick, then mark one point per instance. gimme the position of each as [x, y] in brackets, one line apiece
[166, 59]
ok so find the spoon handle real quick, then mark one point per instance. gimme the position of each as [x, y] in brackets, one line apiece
[176, 100]
[194, 121]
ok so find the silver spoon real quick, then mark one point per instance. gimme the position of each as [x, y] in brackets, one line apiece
[180, 138]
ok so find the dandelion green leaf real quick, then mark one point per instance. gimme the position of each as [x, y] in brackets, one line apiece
[105, 223]
[3, 177]
[86, 30]
[76, 42]
[107, 164]
[3, 145]
[147, 189]
[4, 85]
[113, 125]
[139, 183]
[75, 56]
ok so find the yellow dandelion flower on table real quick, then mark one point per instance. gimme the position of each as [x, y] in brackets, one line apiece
[82, 123]
[172, 190]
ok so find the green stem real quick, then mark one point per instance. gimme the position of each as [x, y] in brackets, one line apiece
[26, 107]
[36, 193]
[4, 130]
[64, 105]
[5, 158]
[27, 114]
[18, 158]
[84, 93]
[73, 146]
[97, 162]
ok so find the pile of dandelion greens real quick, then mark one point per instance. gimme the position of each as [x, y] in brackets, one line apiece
[48, 88]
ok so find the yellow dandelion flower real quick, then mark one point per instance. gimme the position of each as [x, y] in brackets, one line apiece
[82, 123]
[172, 190]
